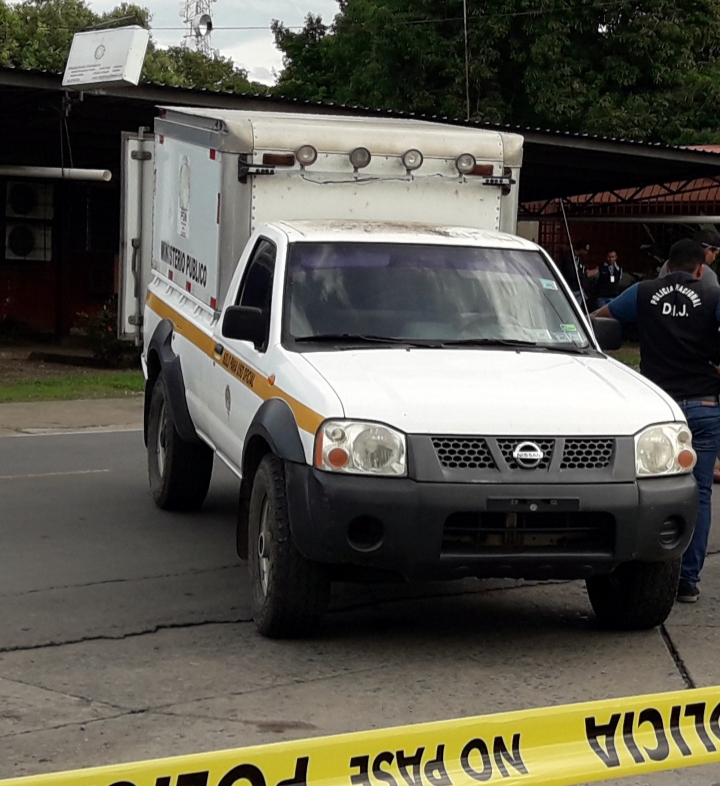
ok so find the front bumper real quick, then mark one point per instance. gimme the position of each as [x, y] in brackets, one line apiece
[424, 530]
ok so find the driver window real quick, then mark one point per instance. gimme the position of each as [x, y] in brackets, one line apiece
[256, 285]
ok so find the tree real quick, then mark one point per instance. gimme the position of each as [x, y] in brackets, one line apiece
[641, 69]
[37, 34]
[184, 68]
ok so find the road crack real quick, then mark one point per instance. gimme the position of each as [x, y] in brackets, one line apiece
[677, 658]
[133, 634]
[122, 581]
[64, 694]
[70, 724]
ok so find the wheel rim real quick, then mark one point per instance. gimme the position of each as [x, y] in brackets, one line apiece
[161, 441]
[263, 546]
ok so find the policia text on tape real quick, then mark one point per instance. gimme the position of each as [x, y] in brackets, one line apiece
[559, 745]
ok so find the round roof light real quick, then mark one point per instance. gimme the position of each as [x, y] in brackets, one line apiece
[412, 160]
[360, 157]
[465, 163]
[306, 155]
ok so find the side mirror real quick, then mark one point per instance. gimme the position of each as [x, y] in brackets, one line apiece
[245, 323]
[608, 332]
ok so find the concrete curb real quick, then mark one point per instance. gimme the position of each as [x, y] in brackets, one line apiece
[61, 417]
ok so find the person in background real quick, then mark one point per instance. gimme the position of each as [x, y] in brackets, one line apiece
[608, 281]
[710, 242]
[572, 268]
[678, 318]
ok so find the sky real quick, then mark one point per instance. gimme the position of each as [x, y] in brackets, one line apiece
[253, 50]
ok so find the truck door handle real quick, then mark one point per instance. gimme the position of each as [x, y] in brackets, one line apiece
[219, 349]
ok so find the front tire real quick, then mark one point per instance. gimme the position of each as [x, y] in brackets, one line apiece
[290, 593]
[179, 471]
[636, 596]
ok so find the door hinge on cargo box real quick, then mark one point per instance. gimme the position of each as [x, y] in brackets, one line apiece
[245, 168]
[141, 155]
[136, 319]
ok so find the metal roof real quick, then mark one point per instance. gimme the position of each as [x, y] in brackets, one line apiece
[556, 163]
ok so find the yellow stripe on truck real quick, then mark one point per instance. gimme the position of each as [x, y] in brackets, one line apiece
[306, 418]
[562, 746]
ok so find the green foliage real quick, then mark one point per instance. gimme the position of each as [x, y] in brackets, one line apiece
[37, 34]
[182, 68]
[641, 69]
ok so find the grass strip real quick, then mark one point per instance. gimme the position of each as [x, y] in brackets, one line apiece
[629, 354]
[112, 384]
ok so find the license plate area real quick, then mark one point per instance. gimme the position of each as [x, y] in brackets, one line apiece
[527, 505]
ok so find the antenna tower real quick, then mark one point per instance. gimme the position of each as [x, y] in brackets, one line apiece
[197, 15]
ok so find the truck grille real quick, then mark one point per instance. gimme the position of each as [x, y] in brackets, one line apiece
[474, 452]
[507, 446]
[463, 453]
[566, 532]
[587, 453]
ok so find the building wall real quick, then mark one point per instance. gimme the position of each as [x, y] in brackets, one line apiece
[72, 267]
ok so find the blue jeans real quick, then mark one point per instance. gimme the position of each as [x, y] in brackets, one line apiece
[603, 301]
[704, 423]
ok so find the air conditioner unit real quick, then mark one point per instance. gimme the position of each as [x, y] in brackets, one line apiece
[29, 200]
[28, 241]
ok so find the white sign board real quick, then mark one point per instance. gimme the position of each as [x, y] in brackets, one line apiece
[103, 58]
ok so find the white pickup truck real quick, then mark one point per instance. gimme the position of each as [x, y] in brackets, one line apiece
[333, 307]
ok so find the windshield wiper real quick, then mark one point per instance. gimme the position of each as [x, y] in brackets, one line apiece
[568, 349]
[489, 342]
[514, 342]
[357, 338]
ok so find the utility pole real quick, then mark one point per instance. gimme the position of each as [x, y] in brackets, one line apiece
[467, 61]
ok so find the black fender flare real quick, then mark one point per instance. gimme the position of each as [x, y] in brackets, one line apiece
[275, 426]
[161, 345]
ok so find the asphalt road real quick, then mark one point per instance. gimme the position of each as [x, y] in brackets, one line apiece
[125, 631]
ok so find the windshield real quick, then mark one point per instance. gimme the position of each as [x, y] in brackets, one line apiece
[432, 294]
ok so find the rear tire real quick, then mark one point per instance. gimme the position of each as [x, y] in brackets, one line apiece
[636, 596]
[289, 592]
[179, 471]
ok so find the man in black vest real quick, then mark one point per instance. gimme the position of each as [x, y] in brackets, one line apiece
[678, 319]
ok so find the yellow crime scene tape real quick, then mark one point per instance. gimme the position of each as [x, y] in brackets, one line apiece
[573, 744]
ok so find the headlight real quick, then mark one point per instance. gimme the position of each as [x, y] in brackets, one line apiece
[665, 449]
[360, 448]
